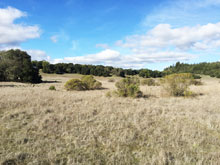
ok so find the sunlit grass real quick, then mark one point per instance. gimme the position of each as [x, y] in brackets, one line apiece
[40, 126]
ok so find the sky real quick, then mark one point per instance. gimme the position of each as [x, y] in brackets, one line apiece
[151, 34]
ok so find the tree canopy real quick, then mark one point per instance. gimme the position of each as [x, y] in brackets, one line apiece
[16, 65]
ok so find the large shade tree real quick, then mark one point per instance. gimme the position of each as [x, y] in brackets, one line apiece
[15, 65]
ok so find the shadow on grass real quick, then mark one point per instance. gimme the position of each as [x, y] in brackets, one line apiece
[8, 86]
[50, 82]
[147, 96]
[102, 88]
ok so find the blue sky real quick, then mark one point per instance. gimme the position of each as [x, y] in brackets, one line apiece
[124, 33]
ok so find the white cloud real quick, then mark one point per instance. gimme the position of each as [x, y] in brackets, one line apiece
[54, 38]
[38, 55]
[12, 34]
[184, 38]
[110, 57]
[106, 56]
[160, 44]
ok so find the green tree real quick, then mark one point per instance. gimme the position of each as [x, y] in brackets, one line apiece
[15, 65]
[144, 73]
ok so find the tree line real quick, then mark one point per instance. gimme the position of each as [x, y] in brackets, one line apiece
[16, 65]
[96, 70]
[212, 69]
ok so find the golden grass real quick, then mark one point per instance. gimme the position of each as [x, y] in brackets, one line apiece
[39, 126]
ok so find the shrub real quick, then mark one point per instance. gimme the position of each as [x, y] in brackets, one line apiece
[52, 87]
[128, 87]
[75, 84]
[90, 82]
[178, 84]
[149, 82]
[86, 83]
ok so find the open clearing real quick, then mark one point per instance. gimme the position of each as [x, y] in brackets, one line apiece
[39, 126]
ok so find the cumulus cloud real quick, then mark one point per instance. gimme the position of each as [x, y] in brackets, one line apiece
[162, 43]
[106, 56]
[184, 38]
[11, 33]
[38, 55]
[110, 57]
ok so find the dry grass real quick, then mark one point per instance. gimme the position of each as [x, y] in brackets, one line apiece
[39, 126]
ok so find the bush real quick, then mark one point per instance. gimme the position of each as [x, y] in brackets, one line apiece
[128, 87]
[75, 84]
[149, 82]
[90, 82]
[178, 84]
[52, 87]
[86, 83]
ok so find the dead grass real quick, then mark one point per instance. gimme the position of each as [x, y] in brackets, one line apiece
[39, 126]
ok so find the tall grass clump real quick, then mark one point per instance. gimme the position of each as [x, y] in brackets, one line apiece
[128, 87]
[86, 83]
[149, 82]
[178, 84]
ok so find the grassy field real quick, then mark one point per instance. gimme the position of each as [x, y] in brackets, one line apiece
[40, 127]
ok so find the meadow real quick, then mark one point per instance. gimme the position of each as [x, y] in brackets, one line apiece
[41, 127]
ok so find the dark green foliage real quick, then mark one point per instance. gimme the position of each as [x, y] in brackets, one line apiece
[16, 65]
[195, 76]
[118, 72]
[146, 73]
[131, 72]
[46, 67]
[96, 70]
[211, 69]
[128, 87]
